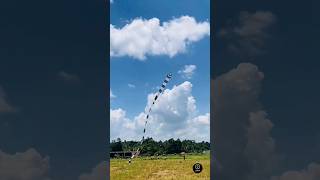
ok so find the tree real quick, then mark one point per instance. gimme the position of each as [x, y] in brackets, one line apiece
[116, 145]
[151, 147]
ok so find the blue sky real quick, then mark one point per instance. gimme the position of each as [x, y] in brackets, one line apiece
[53, 79]
[147, 74]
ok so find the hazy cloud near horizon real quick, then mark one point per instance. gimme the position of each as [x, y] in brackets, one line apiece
[173, 116]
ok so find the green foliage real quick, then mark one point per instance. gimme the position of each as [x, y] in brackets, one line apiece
[116, 145]
[150, 147]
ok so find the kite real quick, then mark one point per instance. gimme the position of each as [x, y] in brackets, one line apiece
[160, 91]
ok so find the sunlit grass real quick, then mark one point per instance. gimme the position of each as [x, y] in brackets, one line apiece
[173, 167]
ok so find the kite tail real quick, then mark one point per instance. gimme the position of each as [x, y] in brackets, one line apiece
[160, 91]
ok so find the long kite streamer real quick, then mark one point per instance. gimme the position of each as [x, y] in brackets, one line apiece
[160, 91]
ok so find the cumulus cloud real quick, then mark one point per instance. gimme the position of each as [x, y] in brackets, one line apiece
[97, 173]
[173, 116]
[198, 127]
[312, 172]
[131, 85]
[117, 115]
[202, 119]
[68, 77]
[187, 71]
[121, 126]
[112, 96]
[5, 107]
[244, 147]
[28, 165]
[260, 147]
[248, 35]
[144, 37]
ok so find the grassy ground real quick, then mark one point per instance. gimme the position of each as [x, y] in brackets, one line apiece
[174, 167]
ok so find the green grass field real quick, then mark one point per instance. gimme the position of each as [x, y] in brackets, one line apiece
[174, 167]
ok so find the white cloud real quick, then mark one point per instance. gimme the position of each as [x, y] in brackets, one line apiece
[188, 71]
[312, 172]
[148, 37]
[131, 85]
[120, 124]
[173, 116]
[28, 165]
[117, 115]
[97, 173]
[112, 95]
[202, 119]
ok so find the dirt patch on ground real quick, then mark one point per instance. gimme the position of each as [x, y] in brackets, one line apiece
[162, 173]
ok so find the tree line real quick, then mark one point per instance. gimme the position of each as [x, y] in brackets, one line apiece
[151, 147]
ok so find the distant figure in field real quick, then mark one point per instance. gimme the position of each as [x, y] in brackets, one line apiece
[184, 155]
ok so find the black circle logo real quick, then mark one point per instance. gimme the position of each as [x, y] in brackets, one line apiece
[197, 168]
